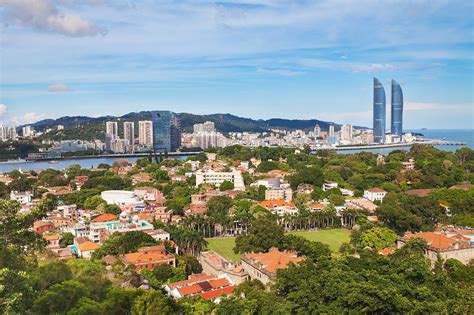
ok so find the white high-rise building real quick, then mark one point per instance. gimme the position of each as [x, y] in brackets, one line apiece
[346, 132]
[27, 132]
[111, 128]
[129, 134]
[208, 126]
[145, 132]
[331, 130]
[317, 131]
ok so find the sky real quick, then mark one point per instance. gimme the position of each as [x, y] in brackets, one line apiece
[296, 59]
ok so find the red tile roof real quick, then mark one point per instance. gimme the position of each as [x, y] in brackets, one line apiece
[193, 280]
[105, 217]
[273, 260]
[216, 293]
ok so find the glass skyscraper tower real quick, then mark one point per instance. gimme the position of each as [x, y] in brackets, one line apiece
[379, 112]
[397, 110]
[166, 131]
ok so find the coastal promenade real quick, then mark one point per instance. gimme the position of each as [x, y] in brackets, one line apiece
[392, 145]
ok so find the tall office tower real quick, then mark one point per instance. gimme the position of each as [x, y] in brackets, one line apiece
[331, 130]
[166, 131]
[129, 135]
[346, 132]
[3, 133]
[397, 110]
[145, 132]
[379, 112]
[111, 128]
[317, 131]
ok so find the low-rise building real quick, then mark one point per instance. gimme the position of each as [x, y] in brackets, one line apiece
[279, 194]
[329, 185]
[279, 207]
[363, 204]
[214, 264]
[149, 257]
[217, 178]
[455, 246]
[206, 286]
[85, 249]
[263, 266]
[375, 194]
[23, 197]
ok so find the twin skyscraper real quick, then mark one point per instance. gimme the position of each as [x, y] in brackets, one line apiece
[380, 111]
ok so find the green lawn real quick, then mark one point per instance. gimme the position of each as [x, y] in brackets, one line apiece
[333, 237]
[224, 247]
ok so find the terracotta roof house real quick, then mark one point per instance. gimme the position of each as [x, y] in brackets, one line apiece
[263, 266]
[149, 257]
[86, 249]
[214, 264]
[279, 207]
[456, 246]
[208, 287]
[419, 192]
[104, 217]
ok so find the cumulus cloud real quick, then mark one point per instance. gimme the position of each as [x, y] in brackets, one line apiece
[3, 109]
[27, 118]
[58, 87]
[44, 15]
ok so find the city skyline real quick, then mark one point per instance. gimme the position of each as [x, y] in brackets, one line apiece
[240, 57]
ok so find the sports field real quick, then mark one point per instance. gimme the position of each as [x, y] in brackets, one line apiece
[333, 237]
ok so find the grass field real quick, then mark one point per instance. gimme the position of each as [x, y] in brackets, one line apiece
[334, 238]
[224, 247]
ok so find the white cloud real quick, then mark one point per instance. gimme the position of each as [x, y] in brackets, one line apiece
[349, 66]
[58, 87]
[27, 118]
[44, 15]
[3, 109]
[434, 106]
[280, 72]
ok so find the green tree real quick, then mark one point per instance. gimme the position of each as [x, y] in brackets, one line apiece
[154, 302]
[377, 238]
[226, 185]
[264, 234]
[66, 239]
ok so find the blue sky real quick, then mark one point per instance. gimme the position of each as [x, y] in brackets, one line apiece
[253, 58]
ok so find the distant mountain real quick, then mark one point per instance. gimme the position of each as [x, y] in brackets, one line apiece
[223, 122]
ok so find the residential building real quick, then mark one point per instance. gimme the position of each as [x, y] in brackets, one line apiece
[149, 257]
[331, 131]
[145, 133]
[166, 131]
[379, 112]
[111, 128]
[443, 245]
[409, 165]
[279, 194]
[317, 131]
[206, 286]
[214, 264]
[329, 185]
[375, 194]
[346, 133]
[129, 135]
[217, 178]
[397, 110]
[364, 204]
[23, 197]
[85, 249]
[28, 131]
[263, 266]
[119, 197]
[279, 207]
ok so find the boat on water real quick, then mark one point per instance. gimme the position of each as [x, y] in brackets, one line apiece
[53, 162]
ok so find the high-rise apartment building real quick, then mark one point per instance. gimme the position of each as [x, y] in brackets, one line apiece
[331, 131]
[166, 131]
[379, 112]
[111, 128]
[317, 131]
[346, 132]
[397, 110]
[27, 131]
[129, 135]
[145, 133]
[208, 126]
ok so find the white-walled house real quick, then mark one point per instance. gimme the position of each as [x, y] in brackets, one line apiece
[375, 194]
